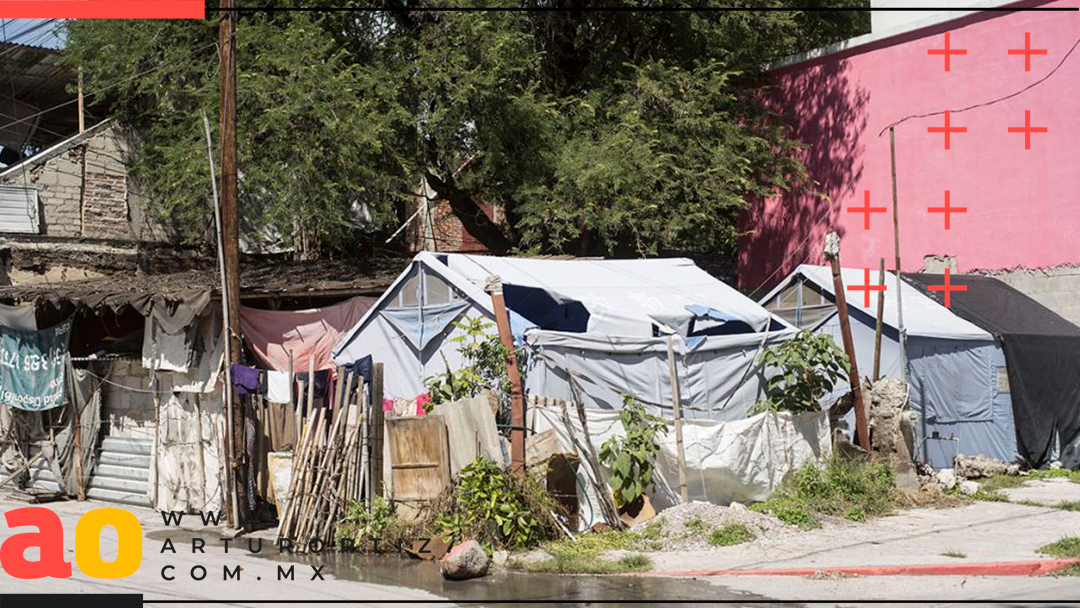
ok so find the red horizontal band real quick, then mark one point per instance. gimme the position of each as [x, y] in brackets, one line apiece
[102, 9]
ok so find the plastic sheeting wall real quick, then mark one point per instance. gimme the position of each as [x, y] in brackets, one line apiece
[718, 379]
[740, 460]
[955, 391]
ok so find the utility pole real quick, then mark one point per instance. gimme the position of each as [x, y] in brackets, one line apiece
[230, 221]
[832, 253]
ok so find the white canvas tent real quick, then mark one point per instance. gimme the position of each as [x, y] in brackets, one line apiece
[954, 366]
[601, 322]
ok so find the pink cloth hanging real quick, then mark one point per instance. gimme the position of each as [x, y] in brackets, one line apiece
[311, 333]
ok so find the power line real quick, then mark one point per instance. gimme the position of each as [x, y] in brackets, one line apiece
[991, 102]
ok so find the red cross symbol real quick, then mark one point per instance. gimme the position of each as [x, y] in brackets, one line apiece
[1027, 129]
[947, 52]
[947, 130]
[1027, 51]
[948, 288]
[866, 210]
[947, 210]
[866, 287]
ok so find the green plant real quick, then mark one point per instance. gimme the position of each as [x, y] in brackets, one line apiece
[495, 508]
[631, 456]
[953, 553]
[807, 367]
[360, 525]
[696, 526]
[838, 488]
[731, 534]
[1067, 546]
[584, 553]
[484, 366]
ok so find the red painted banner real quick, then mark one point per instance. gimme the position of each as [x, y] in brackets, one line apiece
[102, 9]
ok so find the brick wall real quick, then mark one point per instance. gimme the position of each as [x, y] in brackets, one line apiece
[85, 189]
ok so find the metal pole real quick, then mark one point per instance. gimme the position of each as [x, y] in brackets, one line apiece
[896, 244]
[880, 321]
[231, 513]
[517, 402]
[674, 377]
[832, 252]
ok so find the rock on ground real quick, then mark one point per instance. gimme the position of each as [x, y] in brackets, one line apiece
[682, 531]
[968, 488]
[977, 467]
[467, 560]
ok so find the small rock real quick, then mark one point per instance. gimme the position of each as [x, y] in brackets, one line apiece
[467, 560]
[536, 555]
[977, 467]
[967, 488]
[737, 506]
[1056, 465]
[947, 478]
[499, 558]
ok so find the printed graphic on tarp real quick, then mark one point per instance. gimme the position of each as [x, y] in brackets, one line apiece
[32, 367]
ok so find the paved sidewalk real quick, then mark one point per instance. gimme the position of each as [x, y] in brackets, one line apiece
[148, 579]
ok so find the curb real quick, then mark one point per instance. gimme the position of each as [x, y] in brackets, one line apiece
[1040, 567]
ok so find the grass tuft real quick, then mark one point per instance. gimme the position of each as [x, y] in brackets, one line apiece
[1068, 546]
[954, 553]
[731, 534]
[839, 488]
[584, 554]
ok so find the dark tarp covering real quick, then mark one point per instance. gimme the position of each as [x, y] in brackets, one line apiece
[1042, 353]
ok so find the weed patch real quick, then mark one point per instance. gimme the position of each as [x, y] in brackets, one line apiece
[584, 554]
[1068, 546]
[956, 554]
[839, 488]
[731, 534]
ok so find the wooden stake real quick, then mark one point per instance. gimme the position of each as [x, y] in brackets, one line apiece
[880, 321]
[517, 403]
[896, 246]
[82, 118]
[376, 428]
[832, 252]
[673, 376]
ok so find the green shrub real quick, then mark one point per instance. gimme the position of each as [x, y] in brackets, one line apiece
[495, 508]
[731, 534]
[361, 525]
[632, 455]
[807, 366]
[584, 553]
[838, 488]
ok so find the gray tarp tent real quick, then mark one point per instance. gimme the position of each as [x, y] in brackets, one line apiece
[957, 371]
[601, 322]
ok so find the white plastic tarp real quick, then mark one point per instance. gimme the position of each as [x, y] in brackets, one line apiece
[735, 461]
[719, 377]
[922, 315]
[623, 297]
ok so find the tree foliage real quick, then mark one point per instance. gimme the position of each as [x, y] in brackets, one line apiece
[594, 131]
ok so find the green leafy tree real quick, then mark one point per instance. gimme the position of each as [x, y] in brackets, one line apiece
[632, 456]
[593, 131]
[807, 368]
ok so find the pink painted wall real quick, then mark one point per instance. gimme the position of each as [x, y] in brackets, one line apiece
[1023, 205]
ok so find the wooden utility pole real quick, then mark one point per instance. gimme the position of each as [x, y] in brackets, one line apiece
[880, 322]
[673, 375]
[832, 253]
[896, 246]
[517, 400]
[230, 228]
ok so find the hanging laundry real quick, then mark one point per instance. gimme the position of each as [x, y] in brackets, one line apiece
[171, 334]
[246, 379]
[18, 317]
[322, 381]
[313, 333]
[278, 386]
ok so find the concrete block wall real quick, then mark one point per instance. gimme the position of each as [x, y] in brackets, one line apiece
[84, 190]
[1056, 288]
[130, 413]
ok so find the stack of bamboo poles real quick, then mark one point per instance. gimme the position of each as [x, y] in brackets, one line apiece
[329, 466]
